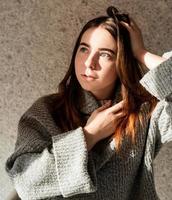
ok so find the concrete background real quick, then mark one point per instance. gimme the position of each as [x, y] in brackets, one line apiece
[36, 41]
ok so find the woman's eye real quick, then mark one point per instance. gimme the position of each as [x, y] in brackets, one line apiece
[83, 49]
[105, 55]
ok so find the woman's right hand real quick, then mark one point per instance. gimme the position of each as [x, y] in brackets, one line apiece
[103, 122]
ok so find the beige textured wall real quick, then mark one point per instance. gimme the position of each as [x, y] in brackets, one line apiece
[36, 40]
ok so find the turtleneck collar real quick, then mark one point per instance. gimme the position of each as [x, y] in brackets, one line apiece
[90, 103]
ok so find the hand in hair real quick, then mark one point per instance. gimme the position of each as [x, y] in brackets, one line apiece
[150, 60]
[103, 122]
[137, 43]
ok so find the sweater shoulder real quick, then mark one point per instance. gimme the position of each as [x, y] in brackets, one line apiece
[40, 112]
[40, 115]
[42, 105]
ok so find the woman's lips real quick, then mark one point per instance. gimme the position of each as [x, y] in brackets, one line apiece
[89, 78]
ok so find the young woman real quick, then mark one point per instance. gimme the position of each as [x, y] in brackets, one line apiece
[97, 137]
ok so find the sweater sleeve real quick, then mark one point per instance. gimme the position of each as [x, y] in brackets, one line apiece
[158, 82]
[63, 170]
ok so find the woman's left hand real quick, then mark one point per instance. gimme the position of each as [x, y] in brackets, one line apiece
[145, 57]
[137, 43]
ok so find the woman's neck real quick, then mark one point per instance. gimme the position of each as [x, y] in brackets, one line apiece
[106, 93]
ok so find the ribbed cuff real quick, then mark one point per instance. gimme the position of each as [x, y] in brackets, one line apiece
[158, 81]
[71, 157]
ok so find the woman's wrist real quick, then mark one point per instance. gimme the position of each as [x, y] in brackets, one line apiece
[149, 59]
[141, 55]
[90, 138]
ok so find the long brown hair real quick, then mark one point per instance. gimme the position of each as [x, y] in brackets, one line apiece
[129, 72]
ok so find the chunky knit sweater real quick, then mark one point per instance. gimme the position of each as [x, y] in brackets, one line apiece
[50, 164]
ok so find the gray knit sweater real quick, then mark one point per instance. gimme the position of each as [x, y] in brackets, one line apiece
[49, 164]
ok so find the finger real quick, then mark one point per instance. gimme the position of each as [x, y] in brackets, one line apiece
[126, 25]
[134, 25]
[133, 22]
[104, 106]
[130, 27]
[104, 101]
[120, 114]
[117, 107]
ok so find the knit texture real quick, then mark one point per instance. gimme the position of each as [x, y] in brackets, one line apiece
[50, 164]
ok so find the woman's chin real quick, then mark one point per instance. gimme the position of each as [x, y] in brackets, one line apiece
[87, 87]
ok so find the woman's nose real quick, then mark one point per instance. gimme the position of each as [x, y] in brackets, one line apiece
[91, 61]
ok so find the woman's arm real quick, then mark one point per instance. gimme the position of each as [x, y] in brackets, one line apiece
[150, 60]
[158, 82]
[39, 171]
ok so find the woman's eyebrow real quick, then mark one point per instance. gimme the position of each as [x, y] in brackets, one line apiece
[102, 49]
[109, 50]
[84, 44]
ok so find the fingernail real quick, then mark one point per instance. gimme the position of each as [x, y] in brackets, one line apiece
[108, 101]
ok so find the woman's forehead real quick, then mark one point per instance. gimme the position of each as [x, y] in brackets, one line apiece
[98, 37]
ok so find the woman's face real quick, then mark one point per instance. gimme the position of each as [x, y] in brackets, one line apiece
[95, 62]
